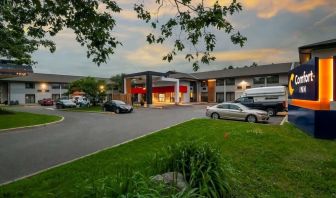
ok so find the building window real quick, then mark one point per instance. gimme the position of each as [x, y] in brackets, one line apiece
[230, 96]
[55, 86]
[55, 97]
[30, 85]
[30, 98]
[204, 97]
[258, 80]
[230, 81]
[272, 79]
[220, 82]
[161, 97]
[65, 86]
[219, 97]
[239, 87]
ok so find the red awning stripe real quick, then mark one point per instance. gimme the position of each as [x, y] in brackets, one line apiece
[164, 89]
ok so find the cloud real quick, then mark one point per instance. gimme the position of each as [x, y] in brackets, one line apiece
[329, 18]
[263, 55]
[149, 55]
[270, 8]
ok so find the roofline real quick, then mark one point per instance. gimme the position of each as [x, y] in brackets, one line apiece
[319, 45]
[152, 73]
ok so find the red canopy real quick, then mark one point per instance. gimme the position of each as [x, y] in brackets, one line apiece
[164, 89]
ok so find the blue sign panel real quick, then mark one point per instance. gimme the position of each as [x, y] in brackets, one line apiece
[303, 81]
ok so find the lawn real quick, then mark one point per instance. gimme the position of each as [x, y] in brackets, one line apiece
[21, 119]
[260, 160]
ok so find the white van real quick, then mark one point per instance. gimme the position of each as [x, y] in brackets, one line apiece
[271, 99]
[81, 100]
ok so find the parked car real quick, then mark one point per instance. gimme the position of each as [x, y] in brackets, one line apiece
[46, 102]
[270, 99]
[61, 104]
[82, 101]
[236, 111]
[117, 106]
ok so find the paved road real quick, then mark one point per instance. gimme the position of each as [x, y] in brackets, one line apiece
[26, 151]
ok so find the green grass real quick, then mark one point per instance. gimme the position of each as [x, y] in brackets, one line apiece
[260, 160]
[21, 119]
[86, 109]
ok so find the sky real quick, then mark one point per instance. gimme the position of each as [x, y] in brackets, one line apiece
[274, 30]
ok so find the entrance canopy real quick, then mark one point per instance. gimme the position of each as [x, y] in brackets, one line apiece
[150, 82]
[164, 89]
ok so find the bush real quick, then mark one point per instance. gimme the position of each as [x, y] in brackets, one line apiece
[199, 163]
[5, 111]
[136, 186]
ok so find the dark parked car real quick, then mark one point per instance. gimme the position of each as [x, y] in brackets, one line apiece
[117, 106]
[61, 104]
[46, 102]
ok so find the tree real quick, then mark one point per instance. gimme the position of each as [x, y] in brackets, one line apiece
[27, 25]
[94, 89]
[254, 64]
[230, 67]
[118, 81]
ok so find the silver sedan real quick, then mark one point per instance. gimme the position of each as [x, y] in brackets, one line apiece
[236, 111]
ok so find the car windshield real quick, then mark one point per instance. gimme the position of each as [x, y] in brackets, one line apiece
[66, 101]
[118, 102]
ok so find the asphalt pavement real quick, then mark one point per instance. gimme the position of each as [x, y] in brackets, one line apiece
[27, 151]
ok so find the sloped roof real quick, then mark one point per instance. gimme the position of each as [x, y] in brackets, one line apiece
[320, 45]
[280, 68]
[48, 78]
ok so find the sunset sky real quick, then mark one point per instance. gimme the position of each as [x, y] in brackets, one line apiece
[274, 29]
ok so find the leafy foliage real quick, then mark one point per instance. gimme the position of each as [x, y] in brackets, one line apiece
[200, 164]
[134, 186]
[25, 24]
[94, 89]
[5, 111]
[118, 80]
[193, 25]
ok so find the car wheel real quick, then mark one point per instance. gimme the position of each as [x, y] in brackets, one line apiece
[215, 116]
[271, 112]
[117, 110]
[251, 118]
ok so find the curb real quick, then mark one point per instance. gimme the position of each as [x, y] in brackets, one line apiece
[33, 126]
[84, 156]
[285, 119]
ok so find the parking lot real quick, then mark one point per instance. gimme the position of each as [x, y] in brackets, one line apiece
[27, 151]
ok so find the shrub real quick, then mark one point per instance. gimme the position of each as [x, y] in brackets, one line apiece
[136, 186]
[199, 163]
[5, 111]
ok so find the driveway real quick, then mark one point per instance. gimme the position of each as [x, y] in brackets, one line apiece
[27, 151]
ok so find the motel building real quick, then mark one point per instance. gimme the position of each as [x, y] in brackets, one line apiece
[32, 87]
[211, 86]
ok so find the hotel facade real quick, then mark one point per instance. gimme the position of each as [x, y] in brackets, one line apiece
[212, 86]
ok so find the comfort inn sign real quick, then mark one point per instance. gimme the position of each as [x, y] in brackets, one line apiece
[303, 82]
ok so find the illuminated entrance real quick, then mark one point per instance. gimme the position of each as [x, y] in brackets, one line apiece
[154, 87]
